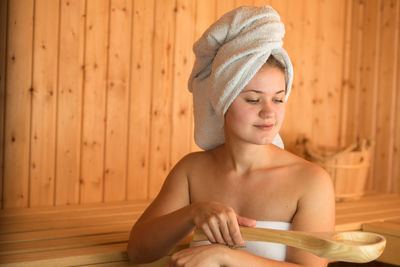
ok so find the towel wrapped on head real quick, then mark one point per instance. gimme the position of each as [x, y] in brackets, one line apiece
[229, 53]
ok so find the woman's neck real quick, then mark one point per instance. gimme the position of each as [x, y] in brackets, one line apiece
[242, 158]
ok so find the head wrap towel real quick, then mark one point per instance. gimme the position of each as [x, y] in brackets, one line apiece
[228, 55]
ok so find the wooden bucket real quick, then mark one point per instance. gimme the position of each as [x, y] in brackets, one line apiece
[348, 167]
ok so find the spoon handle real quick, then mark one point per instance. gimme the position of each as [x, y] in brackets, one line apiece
[320, 244]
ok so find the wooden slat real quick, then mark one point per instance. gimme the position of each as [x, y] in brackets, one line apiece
[92, 159]
[44, 101]
[66, 215]
[297, 51]
[72, 223]
[69, 257]
[18, 103]
[3, 56]
[352, 79]
[65, 233]
[61, 244]
[160, 144]
[74, 208]
[391, 227]
[140, 100]
[366, 201]
[326, 121]
[386, 96]
[118, 101]
[239, 3]
[69, 107]
[222, 7]
[181, 97]
[396, 150]
[369, 81]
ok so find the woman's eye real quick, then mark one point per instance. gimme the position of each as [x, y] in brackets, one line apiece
[278, 100]
[252, 101]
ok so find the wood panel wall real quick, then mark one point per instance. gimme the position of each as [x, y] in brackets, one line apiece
[94, 100]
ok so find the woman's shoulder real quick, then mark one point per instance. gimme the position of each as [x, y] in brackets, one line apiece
[194, 159]
[307, 173]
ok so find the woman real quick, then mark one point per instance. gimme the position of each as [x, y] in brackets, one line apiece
[244, 181]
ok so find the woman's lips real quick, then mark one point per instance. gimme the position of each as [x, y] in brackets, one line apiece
[264, 126]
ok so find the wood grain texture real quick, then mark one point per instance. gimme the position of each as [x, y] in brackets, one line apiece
[3, 57]
[181, 97]
[140, 100]
[120, 115]
[386, 97]
[18, 103]
[161, 110]
[69, 107]
[94, 101]
[44, 103]
[118, 85]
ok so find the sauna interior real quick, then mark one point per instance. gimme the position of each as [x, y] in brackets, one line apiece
[95, 111]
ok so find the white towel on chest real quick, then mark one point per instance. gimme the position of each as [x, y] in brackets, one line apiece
[228, 55]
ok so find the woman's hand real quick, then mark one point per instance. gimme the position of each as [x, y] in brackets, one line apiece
[220, 223]
[202, 256]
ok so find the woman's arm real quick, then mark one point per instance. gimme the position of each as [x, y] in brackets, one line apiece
[171, 217]
[165, 222]
[315, 213]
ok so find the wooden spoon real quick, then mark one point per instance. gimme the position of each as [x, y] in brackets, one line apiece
[352, 246]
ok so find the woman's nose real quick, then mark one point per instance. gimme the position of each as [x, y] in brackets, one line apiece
[266, 110]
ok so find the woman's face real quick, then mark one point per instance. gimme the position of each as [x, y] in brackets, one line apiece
[256, 115]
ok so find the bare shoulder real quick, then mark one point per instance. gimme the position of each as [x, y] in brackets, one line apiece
[309, 175]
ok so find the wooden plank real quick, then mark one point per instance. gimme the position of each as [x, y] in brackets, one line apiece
[160, 144]
[394, 206]
[67, 224]
[64, 243]
[69, 119]
[44, 101]
[106, 207]
[222, 7]
[326, 119]
[118, 101]
[92, 157]
[294, 43]
[65, 233]
[68, 257]
[352, 76]
[355, 222]
[369, 81]
[181, 97]
[3, 56]
[386, 97]
[72, 214]
[140, 100]
[239, 3]
[18, 103]
[391, 227]
[367, 201]
[396, 149]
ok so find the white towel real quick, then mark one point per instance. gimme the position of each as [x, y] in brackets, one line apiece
[228, 55]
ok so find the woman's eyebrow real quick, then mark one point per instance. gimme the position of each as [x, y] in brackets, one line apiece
[260, 92]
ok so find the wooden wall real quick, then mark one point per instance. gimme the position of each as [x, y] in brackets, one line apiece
[94, 102]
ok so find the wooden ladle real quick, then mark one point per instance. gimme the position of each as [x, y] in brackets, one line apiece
[352, 246]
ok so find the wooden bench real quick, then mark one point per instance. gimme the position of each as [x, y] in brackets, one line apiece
[97, 234]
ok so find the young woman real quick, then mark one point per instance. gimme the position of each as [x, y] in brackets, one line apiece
[246, 181]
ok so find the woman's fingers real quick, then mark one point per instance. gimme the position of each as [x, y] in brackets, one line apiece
[206, 230]
[246, 221]
[234, 231]
[216, 231]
